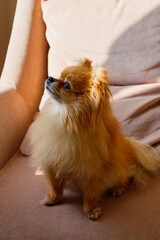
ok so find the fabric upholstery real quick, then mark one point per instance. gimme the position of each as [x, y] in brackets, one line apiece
[121, 35]
[134, 216]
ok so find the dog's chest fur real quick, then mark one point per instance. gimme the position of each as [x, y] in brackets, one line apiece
[71, 153]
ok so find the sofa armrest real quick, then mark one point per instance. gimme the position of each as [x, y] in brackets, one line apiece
[22, 79]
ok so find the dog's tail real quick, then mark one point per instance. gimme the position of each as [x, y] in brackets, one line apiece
[147, 162]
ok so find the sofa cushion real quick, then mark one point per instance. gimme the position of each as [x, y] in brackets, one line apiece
[123, 36]
[134, 216]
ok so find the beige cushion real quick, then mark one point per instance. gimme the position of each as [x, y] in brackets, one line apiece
[121, 35]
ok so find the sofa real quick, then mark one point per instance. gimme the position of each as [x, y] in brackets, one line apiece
[134, 68]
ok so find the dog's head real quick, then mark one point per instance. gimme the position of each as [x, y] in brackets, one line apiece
[80, 85]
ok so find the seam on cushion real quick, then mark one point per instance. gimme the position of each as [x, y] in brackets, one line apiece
[157, 139]
[149, 133]
[144, 108]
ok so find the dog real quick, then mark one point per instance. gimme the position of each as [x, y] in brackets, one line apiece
[77, 139]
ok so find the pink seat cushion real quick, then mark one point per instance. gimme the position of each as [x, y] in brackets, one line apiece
[134, 216]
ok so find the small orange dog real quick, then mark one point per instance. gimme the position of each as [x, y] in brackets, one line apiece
[76, 138]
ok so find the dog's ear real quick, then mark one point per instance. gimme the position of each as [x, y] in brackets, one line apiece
[85, 63]
[100, 89]
[100, 75]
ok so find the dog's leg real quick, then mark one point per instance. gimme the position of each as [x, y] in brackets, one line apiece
[56, 188]
[92, 205]
[92, 208]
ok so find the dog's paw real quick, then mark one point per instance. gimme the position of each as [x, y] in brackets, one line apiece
[95, 214]
[117, 191]
[51, 200]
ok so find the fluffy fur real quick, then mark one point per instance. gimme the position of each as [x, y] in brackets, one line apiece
[76, 138]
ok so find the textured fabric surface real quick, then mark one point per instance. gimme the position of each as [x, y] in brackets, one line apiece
[133, 216]
[137, 107]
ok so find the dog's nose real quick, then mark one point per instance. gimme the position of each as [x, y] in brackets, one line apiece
[51, 79]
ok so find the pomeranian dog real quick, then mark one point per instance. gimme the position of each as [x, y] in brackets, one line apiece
[77, 139]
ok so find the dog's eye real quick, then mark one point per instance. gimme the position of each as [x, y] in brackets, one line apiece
[66, 85]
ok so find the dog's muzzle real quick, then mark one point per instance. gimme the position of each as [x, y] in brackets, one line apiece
[49, 84]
